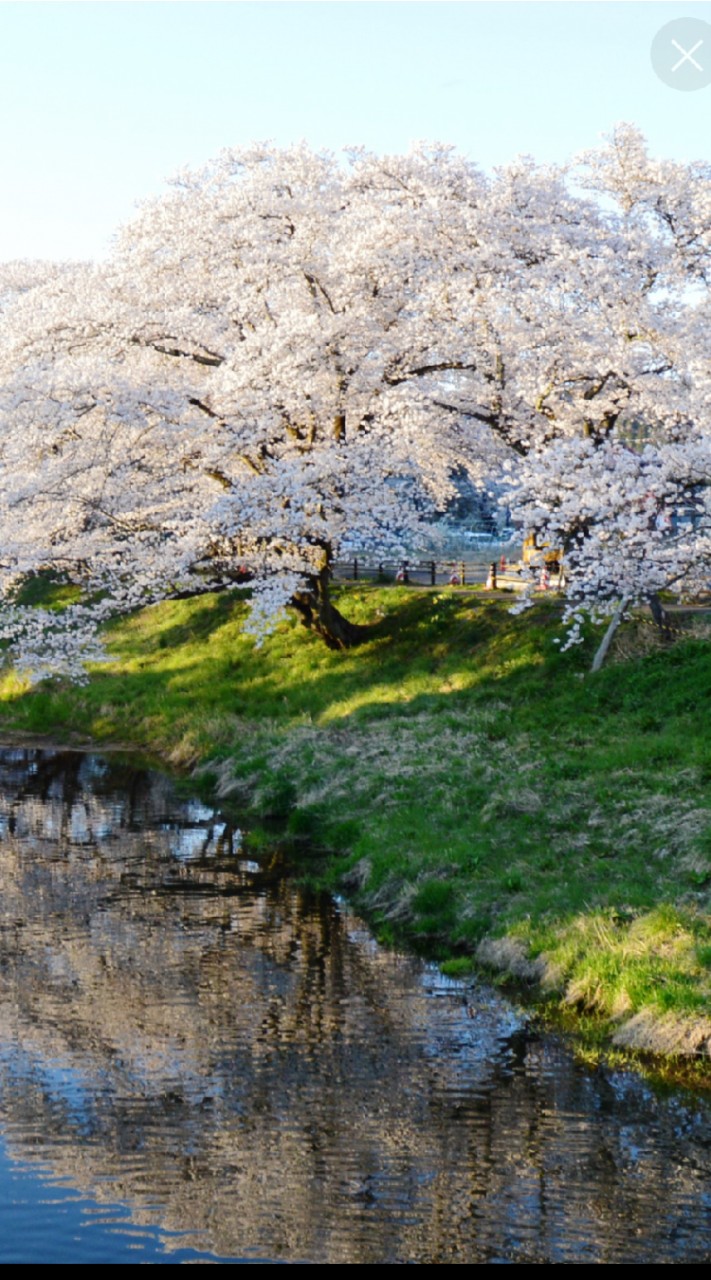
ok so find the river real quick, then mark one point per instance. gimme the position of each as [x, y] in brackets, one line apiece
[200, 1061]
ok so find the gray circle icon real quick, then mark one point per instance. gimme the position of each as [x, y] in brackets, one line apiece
[681, 54]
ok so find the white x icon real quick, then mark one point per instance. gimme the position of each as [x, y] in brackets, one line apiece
[687, 55]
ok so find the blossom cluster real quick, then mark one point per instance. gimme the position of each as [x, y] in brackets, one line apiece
[290, 353]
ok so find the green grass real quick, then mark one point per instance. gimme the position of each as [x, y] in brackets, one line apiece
[457, 774]
[48, 589]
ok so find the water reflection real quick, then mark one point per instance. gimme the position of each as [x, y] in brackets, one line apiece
[184, 1032]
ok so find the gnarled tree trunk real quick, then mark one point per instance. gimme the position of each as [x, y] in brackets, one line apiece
[318, 612]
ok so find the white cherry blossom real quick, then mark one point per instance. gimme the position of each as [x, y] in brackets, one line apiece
[290, 352]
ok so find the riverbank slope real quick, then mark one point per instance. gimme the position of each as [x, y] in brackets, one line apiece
[474, 791]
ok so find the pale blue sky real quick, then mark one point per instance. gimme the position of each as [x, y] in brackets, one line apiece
[100, 102]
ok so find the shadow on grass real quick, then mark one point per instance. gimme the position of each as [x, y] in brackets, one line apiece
[192, 658]
[522, 790]
[187, 667]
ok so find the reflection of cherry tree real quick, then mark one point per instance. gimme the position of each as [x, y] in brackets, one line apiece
[286, 354]
[190, 1034]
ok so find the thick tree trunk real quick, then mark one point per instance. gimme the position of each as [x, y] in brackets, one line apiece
[318, 612]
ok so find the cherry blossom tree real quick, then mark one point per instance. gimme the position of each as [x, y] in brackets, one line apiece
[620, 480]
[290, 351]
[282, 354]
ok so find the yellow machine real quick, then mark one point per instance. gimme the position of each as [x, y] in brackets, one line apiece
[542, 554]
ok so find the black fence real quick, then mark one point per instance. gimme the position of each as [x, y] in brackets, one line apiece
[427, 573]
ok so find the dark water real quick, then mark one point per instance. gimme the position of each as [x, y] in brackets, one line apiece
[200, 1062]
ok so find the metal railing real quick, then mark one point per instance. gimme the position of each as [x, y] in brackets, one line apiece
[429, 573]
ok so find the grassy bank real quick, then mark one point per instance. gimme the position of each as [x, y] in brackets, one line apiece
[470, 787]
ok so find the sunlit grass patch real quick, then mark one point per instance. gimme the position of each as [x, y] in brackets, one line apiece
[468, 784]
[618, 965]
[12, 685]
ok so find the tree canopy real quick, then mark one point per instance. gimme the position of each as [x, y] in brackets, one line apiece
[292, 351]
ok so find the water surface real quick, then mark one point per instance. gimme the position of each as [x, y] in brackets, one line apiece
[199, 1061]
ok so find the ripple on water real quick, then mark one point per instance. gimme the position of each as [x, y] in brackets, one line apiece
[201, 1061]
